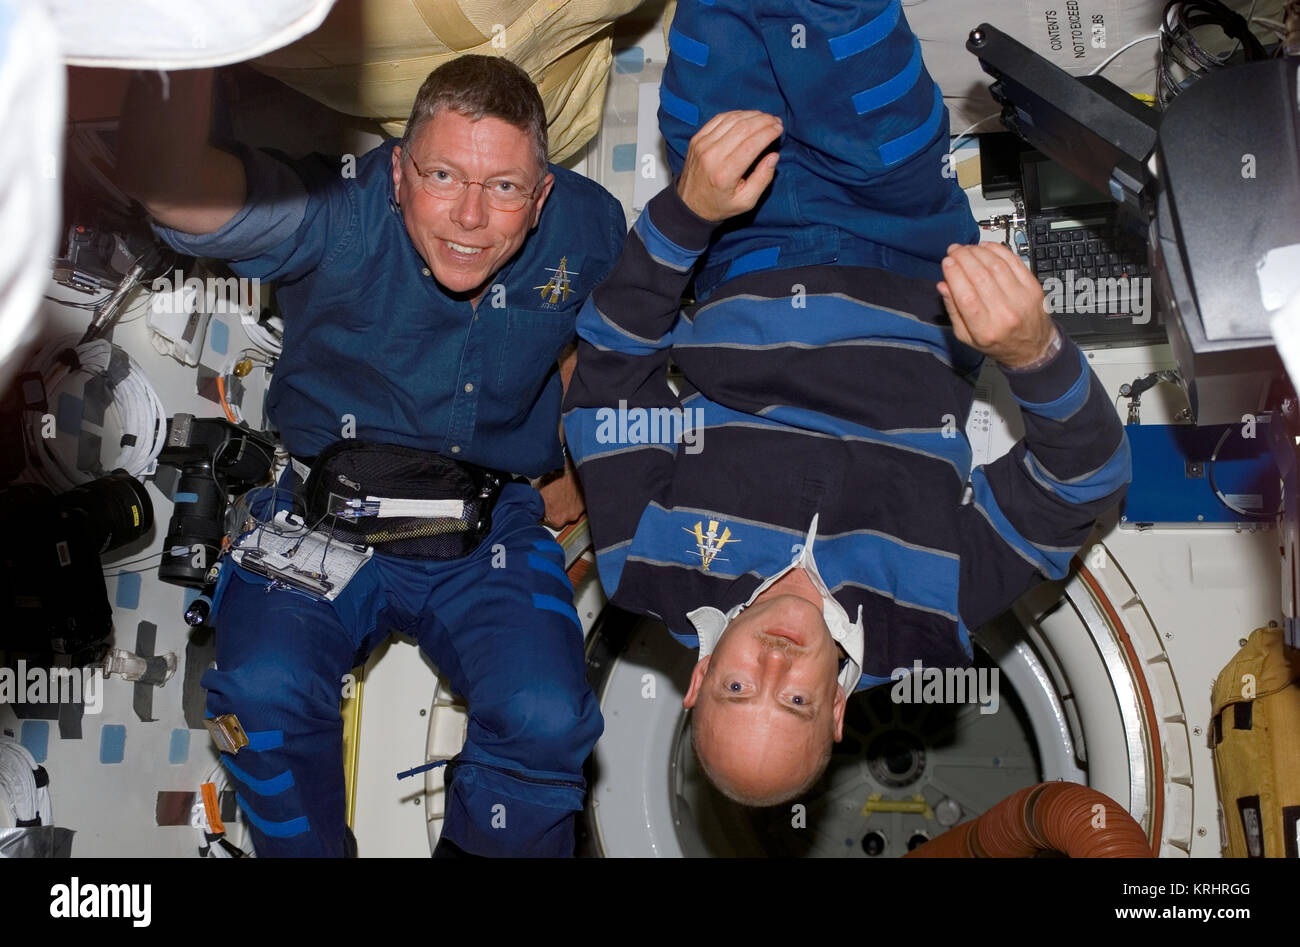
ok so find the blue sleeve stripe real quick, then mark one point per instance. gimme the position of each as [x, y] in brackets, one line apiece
[288, 829]
[869, 680]
[893, 89]
[913, 577]
[824, 320]
[678, 107]
[867, 35]
[596, 432]
[690, 640]
[601, 331]
[952, 450]
[1065, 406]
[661, 249]
[263, 787]
[1097, 485]
[542, 564]
[550, 603]
[906, 146]
[609, 565]
[963, 635]
[1053, 563]
[692, 50]
[764, 259]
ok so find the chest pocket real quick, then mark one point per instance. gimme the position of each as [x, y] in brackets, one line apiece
[533, 341]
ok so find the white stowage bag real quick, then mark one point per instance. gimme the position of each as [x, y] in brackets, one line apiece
[179, 34]
[37, 38]
[31, 160]
[370, 56]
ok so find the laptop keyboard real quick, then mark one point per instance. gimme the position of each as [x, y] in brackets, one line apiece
[1098, 251]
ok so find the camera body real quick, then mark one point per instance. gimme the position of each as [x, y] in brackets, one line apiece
[214, 458]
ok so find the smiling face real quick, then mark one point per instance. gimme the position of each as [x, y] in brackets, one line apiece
[767, 702]
[465, 240]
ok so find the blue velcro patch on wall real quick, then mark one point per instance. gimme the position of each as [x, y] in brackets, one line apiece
[35, 738]
[178, 749]
[623, 157]
[112, 743]
[68, 414]
[128, 590]
[630, 60]
[218, 336]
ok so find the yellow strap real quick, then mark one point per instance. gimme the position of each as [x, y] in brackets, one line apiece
[449, 23]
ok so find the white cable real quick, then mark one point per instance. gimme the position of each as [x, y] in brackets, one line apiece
[24, 799]
[136, 407]
[138, 308]
[257, 357]
[220, 780]
[260, 336]
[1127, 46]
[971, 128]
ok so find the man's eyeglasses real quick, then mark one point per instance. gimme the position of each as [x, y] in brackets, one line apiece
[502, 193]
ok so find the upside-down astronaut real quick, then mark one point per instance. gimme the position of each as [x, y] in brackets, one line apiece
[826, 535]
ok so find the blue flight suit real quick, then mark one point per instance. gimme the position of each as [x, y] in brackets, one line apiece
[865, 178]
[374, 349]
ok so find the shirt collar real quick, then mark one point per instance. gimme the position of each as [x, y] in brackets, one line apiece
[711, 622]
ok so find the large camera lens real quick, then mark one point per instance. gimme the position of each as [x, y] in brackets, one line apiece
[196, 528]
[116, 509]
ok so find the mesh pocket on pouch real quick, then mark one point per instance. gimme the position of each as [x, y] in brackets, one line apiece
[354, 470]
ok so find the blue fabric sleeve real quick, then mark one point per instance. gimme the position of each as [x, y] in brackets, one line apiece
[262, 239]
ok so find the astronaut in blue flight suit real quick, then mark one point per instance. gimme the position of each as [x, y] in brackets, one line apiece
[426, 299]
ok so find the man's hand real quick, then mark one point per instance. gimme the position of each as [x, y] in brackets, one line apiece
[713, 183]
[996, 304]
[563, 497]
[163, 157]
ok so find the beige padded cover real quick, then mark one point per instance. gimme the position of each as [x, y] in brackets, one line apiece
[369, 56]
[1258, 766]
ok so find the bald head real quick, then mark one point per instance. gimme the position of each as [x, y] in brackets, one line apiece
[766, 703]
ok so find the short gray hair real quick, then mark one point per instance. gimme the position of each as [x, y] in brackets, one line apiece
[476, 86]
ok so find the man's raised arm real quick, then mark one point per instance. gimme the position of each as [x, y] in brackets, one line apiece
[1034, 507]
[164, 159]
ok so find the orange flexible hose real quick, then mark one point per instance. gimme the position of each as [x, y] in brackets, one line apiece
[1048, 817]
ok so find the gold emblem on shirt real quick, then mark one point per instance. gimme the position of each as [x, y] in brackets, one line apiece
[708, 543]
[557, 289]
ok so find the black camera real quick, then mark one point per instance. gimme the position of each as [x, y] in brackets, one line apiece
[52, 594]
[214, 458]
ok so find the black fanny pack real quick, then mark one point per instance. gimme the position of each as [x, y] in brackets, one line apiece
[404, 502]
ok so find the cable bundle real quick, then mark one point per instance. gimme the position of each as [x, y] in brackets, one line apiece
[24, 788]
[135, 406]
[1178, 45]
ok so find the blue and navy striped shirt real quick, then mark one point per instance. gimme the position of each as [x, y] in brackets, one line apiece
[832, 390]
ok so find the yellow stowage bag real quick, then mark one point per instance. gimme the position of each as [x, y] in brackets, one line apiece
[1255, 734]
[369, 56]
